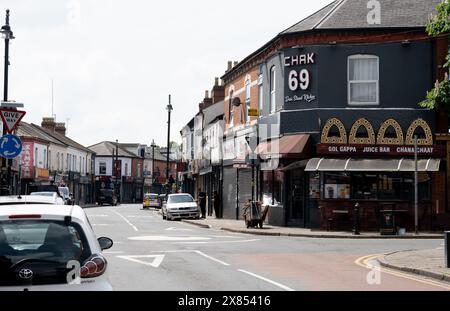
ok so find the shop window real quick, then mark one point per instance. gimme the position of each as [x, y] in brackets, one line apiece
[424, 186]
[337, 186]
[314, 186]
[364, 186]
[390, 187]
[363, 80]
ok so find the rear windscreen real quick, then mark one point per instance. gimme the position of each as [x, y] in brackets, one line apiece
[44, 247]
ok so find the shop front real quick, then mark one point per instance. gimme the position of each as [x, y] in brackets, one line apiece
[377, 175]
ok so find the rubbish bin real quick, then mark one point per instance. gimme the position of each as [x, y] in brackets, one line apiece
[387, 223]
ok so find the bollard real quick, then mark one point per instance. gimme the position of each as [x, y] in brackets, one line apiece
[447, 249]
[356, 220]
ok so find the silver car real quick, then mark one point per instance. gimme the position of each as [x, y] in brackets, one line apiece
[179, 206]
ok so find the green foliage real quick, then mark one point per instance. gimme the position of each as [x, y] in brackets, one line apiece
[439, 97]
[440, 23]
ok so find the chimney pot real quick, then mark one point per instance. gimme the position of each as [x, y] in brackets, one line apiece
[216, 81]
[230, 65]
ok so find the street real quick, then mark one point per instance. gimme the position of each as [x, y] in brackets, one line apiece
[151, 254]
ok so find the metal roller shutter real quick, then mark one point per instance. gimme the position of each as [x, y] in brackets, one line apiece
[229, 193]
[245, 187]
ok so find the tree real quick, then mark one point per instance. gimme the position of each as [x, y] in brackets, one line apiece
[439, 96]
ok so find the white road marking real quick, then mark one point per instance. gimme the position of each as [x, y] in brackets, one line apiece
[220, 242]
[127, 221]
[168, 238]
[155, 263]
[267, 280]
[177, 229]
[112, 252]
[212, 258]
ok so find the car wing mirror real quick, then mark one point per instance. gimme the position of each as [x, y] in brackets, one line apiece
[105, 243]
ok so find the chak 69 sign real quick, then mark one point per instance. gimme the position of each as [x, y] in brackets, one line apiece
[300, 71]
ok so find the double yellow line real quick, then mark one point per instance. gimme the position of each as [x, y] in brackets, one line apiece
[365, 262]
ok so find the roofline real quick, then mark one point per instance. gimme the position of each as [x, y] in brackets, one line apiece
[306, 32]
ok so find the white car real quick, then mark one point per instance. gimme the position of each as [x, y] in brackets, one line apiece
[43, 248]
[179, 206]
[29, 199]
[53, 195]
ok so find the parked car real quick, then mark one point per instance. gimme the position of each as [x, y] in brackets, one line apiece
[29, 199]
[179, 206]
[53, 195]
[43, 248]
[107, 196]
[67, 196]
[151, 200]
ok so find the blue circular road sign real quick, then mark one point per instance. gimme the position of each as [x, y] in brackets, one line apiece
[10, 146]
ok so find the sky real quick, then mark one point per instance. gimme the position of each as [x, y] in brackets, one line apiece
[114, 63]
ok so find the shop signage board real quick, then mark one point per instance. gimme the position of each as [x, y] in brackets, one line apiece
[253, 112]
[10, 146]
[379, 150]
[300, 67]
[11, 118]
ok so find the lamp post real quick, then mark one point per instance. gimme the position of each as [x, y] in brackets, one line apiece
[117, 167]
[7, 35]
[153, 145]
[169, 110]
[416, 190]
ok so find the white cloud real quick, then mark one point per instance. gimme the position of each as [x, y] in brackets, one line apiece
[114, 62]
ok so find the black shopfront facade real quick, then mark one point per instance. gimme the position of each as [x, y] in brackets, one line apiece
[358, 104]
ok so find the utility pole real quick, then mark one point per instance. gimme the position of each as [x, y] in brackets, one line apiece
[169, 110]
[416, 188]
[7, 35]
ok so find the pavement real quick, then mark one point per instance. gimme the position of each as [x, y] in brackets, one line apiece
[428, 263]
[238, 226]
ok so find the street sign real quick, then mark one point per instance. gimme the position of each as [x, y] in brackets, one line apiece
[10, 146]
[253, 113]
[11, 118]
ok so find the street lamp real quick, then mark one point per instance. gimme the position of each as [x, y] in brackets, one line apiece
[153, 145]
[169, 110]
[7, 35]
[117, 166]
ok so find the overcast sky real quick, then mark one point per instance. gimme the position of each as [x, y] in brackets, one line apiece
[114, 62]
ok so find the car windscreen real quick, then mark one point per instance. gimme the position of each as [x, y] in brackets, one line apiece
[152, 196]
[180, 199]
[44, 247]
[64, 192]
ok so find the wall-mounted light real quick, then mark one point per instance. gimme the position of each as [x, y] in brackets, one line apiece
[236, 101]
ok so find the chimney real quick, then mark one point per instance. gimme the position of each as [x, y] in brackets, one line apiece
[49, 124]
[218, 91]
[60, 128]
[207, 101]
[235, 64]
[230, 66]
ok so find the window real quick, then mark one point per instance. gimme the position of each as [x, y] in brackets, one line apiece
[68, 162]
[273, 87]
[231, 116]
[337, 186]
[261, 93]
[44, 165]
[248, 88]
[57, 160]
[102, 170]
[36, 156]
[139, 171]
[126, 169]
[80, 165]
[50, 166]
[363, 80]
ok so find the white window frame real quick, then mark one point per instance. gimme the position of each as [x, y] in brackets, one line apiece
[231, 114]
[273, 90]
[248, 96]
[261, 94]
[349, 82]
[100, 168]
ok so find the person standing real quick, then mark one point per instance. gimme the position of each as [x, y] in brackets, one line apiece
[202, 202]
[216, 203]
